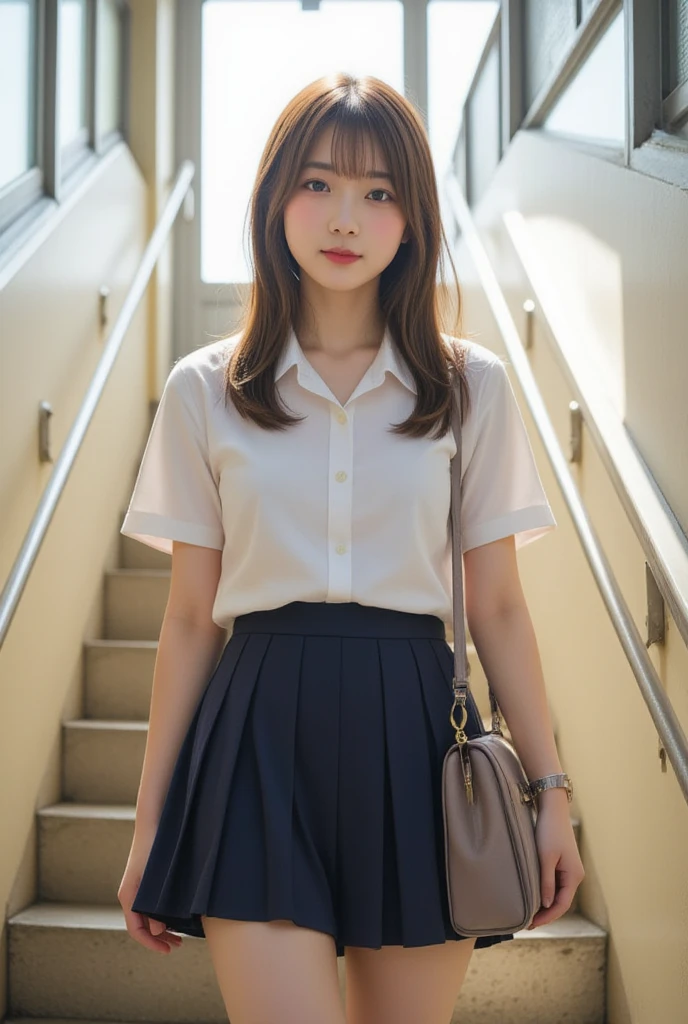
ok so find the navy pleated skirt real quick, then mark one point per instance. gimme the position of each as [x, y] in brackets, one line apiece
[308, 785]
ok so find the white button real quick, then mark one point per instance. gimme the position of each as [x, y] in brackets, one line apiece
[341, 475]
[341, 417]
[341, 549]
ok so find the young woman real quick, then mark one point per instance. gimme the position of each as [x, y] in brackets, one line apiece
[298, 471]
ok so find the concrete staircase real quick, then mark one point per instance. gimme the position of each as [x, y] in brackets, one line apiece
[70, 956]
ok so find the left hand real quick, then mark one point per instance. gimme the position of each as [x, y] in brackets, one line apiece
[561, 869]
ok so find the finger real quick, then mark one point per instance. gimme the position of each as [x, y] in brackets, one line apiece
[138, 928]
[560, 905]
[142, 935]
[548, 887]
[159, 930]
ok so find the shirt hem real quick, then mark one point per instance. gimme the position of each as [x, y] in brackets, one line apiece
[159, 531]
[527, 524]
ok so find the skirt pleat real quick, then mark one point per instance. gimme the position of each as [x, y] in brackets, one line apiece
[308, 784]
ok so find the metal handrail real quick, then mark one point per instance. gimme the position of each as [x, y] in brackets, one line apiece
[35, 535]
[663, 715]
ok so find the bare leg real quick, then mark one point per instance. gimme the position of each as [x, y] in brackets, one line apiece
[271, 971]
[398, 985]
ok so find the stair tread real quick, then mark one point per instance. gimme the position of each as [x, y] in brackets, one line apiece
[73, 809]
[153, 573]
[139, 644]
[120, 812]
[109, 724]
[82, 915]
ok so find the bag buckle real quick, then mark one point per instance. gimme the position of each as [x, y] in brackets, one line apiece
[460, 697]
[526, 795]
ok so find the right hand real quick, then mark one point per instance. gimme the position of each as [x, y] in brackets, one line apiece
[146, 930]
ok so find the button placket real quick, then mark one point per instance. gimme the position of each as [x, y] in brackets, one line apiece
[340, 468]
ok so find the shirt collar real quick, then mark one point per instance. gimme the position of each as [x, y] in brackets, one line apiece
[386, 359]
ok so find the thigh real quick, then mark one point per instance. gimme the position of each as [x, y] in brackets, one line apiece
[401, 985]
[274, 971]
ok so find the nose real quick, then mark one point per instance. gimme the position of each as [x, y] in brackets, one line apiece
[344, 217]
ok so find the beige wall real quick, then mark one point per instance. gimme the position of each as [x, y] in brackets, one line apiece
[634, 819]
[50, 344]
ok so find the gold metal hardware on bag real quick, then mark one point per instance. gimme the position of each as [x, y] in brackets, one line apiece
[462, 740]
[461, 736]
[526, 796]
[467, 773]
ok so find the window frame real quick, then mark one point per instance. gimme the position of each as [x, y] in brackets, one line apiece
[35, 195]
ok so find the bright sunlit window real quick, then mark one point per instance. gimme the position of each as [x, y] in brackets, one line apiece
[255, 58]
[457, 33]
[593, 105]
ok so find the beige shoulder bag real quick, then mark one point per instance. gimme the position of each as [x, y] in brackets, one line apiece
[493, 869]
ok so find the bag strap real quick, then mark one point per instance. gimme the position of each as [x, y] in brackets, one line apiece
[460, 683]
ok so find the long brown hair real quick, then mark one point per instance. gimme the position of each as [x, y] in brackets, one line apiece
[409, 296]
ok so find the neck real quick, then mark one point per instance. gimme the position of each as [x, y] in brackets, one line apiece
[338, 323]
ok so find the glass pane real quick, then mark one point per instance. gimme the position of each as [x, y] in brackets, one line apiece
[457, 33]
[72, 69]
[255, 57]
[678, 42]
[548, 30]
[593, 105]
[17, 96]
[109, 67]
[483, 127]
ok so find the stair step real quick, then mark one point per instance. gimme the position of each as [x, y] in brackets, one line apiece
[83, 851]
[134, 603]
[552, 974]
[102, 761]
[135, 555]
[563, 1019]
[118, 678]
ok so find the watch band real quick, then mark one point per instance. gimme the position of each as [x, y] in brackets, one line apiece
[551, 782]
[530, 790]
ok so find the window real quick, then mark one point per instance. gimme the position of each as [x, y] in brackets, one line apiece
[675, 66]
[54, 112]
[72, 111]
[71, 64]
[17, 89]
[593, 105]
[457, 33]
[268, 51]
[110, 68]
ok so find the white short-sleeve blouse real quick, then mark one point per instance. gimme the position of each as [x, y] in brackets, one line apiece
[335, 508]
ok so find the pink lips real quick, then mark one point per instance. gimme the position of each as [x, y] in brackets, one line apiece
[338, 257]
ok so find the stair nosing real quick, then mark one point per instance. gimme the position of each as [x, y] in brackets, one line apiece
[105, 724]
[137, 644]
[63, 915]
[82, 811]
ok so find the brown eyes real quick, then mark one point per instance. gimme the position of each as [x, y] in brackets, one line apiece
[318, 181]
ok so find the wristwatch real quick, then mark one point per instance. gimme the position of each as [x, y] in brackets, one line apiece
[547, 782]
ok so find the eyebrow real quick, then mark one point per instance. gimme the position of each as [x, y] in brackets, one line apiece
[328, 167]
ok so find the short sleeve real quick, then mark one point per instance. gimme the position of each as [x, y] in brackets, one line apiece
[502, 493]
[175, 496]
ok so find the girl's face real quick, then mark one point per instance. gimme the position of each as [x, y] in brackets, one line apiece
[325, 212]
